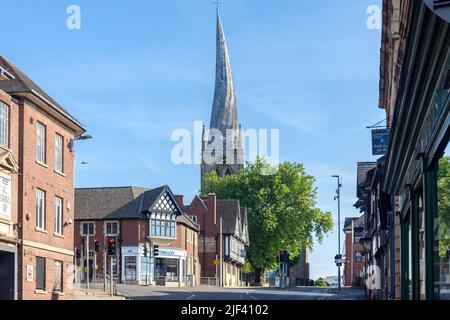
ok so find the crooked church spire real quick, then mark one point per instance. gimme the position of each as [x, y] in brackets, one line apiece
[224, 111]
[224, 117]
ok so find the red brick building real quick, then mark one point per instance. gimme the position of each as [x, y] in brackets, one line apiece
[354, 252]
[134, 217]
[208, 212]
[36, 144]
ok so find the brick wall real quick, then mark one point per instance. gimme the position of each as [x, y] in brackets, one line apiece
[44, 243]
[351, 258]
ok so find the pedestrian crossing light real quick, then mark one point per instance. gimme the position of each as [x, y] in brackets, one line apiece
[155, 250]
[112, 249]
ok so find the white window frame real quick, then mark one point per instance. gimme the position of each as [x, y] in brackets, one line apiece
[160, 223]
[110, 223]
[59, 154]
[4, 125]
[59, 203]
[40, 209]
[41, 142]
[82, 228]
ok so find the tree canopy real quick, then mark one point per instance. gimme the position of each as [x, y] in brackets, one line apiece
[282, 212]
[444, 205]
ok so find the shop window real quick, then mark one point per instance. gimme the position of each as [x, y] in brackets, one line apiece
[131, 268]
[442, 235]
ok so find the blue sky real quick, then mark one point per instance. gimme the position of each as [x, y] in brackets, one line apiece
[137, 70]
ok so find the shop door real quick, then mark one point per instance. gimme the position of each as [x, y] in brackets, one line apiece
[7, 275]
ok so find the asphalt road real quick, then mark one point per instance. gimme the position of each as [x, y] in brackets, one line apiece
[251, 294]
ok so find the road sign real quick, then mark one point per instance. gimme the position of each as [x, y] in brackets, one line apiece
[216, 262]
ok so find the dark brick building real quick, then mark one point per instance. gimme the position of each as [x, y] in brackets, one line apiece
[209, 211]
[354, 252]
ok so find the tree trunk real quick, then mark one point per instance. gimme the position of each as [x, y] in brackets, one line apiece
[258, 274]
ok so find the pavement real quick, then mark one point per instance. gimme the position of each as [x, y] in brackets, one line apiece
[95, 292]
[134, 292]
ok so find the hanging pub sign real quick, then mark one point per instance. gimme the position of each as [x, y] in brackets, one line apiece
[440, 7]
[380, 141]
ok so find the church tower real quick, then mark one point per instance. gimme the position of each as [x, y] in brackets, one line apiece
[225, 156]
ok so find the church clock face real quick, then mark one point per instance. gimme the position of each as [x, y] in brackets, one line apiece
[440, 7]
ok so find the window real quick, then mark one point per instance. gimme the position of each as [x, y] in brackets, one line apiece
[58, 276]
[40, 209]
[163, 228]
[194, 218]
[41, 142]
[4, 125]
[87, 229]
[40, 273]
[112, 228]
[58, 215]
[59, 141]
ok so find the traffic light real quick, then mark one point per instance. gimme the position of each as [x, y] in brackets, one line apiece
[155, 250]
[78, 253]
[283, 256]
[145, 251]
[112, 249]
[97, 246]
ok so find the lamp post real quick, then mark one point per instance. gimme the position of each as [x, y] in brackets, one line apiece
[338, 198]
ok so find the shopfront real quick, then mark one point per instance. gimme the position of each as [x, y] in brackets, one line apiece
[167, 269]
[420, 135]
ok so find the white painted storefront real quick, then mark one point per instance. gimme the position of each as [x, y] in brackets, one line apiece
[168, 269]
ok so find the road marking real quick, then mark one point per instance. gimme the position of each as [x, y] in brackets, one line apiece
[254, 298]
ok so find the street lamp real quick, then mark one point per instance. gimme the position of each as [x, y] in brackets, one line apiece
[338, 198]
[83, 137]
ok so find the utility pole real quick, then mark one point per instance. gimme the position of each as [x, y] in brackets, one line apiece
[338, 198]
[111, 280]
[221, 254]
[105, 266]
[353, 255]
[87, 262]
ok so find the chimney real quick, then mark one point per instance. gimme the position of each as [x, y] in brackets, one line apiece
[180, 200]
[212, 208]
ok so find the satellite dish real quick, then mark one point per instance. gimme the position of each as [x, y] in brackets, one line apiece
[440, 7]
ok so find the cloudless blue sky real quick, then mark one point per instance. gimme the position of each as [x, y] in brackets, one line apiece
[139, 69]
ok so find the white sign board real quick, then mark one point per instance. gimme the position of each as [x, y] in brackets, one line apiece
[5, 196]
[29, 273]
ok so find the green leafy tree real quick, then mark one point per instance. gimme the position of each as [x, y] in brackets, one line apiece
[321, 282]
[444, 205]
[281, 206]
